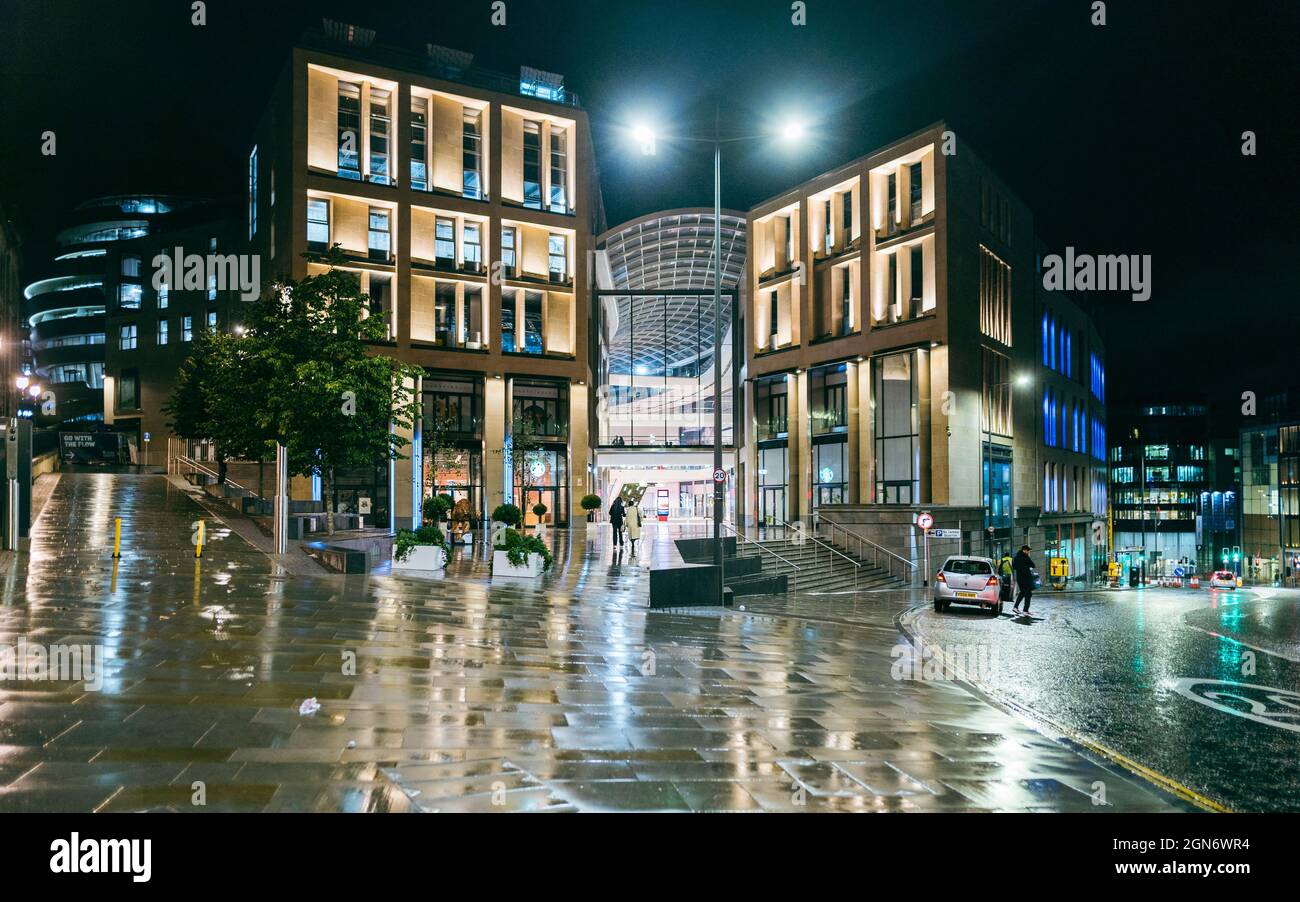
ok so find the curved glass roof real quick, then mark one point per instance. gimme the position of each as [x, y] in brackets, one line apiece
[674, 249]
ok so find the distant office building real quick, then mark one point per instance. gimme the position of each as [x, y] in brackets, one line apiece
[465, 201]
[654, 358]
[106, 341]
[1174, 501]
[1270, 522]
[902, 358]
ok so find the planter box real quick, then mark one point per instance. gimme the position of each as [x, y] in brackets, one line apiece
[421, 557]
[501, 566]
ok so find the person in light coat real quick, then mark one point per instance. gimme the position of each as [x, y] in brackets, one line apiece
[633, 525]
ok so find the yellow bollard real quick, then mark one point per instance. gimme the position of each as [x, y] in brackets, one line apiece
[198, 547]
[117, 537]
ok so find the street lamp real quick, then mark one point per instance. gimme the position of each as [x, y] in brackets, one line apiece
[644, 136]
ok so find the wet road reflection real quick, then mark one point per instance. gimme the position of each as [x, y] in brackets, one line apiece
[462, 694]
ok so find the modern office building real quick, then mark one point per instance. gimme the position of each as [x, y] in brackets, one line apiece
[13, 334]
[106, 343]
[1270, 500]
[465, 202]
[654, 357]
[897, 360]
[1172, 495]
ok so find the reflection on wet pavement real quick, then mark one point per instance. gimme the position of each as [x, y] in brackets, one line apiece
[464, 694]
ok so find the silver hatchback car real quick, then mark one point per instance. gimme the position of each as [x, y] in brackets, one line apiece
[965, 579]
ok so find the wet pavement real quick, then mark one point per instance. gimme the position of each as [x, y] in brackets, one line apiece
[468, 694]
[1201, 686]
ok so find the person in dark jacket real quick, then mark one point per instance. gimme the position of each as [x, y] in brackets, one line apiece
[1023, 565]
[616, 515]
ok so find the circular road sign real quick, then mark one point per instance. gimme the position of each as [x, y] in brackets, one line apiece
[925, 521]
[719, 475]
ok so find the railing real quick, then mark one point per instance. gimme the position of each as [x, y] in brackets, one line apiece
[742, 538]
[857, 565]
[193, 466]
[897, 565]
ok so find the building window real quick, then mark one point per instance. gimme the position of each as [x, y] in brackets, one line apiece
[128, 296]
[187, 328]
[127, 337]
[509, 340]
[995, 297]
[131, 266]
[444, 314]
[212, 286]
[419, 146]
[897, 428]
[789, 242]
[162, 331]
[212, 320]
[128, 390]
[533, 333]
[473, 246]
[846, 300]
[916, 281]
[349, 130]
[914, 192]
[252, 192]
[444, 242]
[996, 412]
[380, 242]
[847, 213]
[891, 210]
[828, 227]
[773, 316]
[532, 164]
[559, 171]
[164, 296]
[508, 234]
[318, 224]
[379, 134]
[557, 249]
[472, 153]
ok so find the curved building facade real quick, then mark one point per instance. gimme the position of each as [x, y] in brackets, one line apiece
[654, 359]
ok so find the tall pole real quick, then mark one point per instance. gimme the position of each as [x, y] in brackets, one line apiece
[280, 507]
[719, 488]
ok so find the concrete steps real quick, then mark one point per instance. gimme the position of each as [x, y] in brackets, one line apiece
[819, 569]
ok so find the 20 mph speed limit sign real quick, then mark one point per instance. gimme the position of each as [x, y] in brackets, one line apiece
[719, 476]
[925, 521]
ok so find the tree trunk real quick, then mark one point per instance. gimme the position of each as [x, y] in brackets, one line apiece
[327, 487]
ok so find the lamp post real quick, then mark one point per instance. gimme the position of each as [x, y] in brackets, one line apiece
[645, 137]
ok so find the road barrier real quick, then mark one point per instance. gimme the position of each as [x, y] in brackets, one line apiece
[117, 537]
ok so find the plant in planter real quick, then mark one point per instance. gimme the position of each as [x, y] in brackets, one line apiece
[508, 514]
[519, 555]
[425, 548]
[436, 508]
[591, 504]
[539, 511]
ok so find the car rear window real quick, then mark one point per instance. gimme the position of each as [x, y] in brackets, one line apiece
[968, 567]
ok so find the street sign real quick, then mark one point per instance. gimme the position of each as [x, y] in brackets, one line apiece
[946, 533]
[1099, 533]
[925, 521]
[719, 475]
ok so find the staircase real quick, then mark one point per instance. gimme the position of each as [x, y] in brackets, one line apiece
[820, 569]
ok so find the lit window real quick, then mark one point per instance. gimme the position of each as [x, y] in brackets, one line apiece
[131, 267]
[444, 241]
[380, 239]
[318, 224]
[472, 153]
[162, 331]
[532, 164]
[252, 192]
[559, 171]
[349, 125]
[508, 234]
[212, 320]
[473, 246]
[127, 337]
[128, 296]
[187, 328]
[557, 247]
[379, 121]
[419, 158]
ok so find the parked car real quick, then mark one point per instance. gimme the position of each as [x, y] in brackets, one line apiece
[1223, 579]
[965, 579]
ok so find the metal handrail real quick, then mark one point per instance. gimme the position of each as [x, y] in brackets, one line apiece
[857, 565]
[196, 466]
[891, 558]
[743, 538]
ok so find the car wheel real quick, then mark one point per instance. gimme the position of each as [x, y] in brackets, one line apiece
[938, 606]
[997, 609]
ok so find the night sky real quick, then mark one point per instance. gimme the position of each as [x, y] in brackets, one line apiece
[1124, 138]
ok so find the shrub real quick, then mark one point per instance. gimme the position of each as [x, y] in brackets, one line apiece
[425, 535]
[540, 510]
[590, 503]
[436, 507]
[508, 514]
[517, 548]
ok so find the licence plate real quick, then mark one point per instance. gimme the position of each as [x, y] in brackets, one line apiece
[967, 595]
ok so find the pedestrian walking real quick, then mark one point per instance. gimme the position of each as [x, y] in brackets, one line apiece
[1023, 565]
[633, 525]
[616, 516]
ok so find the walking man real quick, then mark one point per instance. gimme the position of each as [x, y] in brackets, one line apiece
[1023, 565]
[616, 514]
